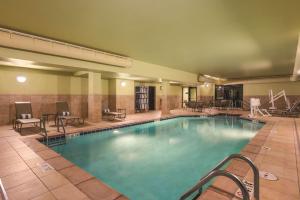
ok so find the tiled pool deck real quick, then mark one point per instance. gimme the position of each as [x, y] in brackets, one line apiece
[26, 172]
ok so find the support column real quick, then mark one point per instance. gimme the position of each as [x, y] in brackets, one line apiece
[94, 97]
[164, 98]
[199, 93]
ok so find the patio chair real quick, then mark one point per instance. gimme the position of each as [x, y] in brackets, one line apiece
[294, 111]
[199, 106]
[191, 105]
[120, 114]
[63, 112]
[24, 115]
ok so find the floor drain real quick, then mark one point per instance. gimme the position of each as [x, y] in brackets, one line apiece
[268, 176]
[266, 148]
[45, 166]
[250, 189]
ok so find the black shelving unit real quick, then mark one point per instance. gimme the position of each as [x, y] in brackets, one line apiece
[141, 98]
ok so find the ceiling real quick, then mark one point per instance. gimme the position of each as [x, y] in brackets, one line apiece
[223, 38]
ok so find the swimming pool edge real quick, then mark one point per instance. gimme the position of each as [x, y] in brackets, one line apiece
[115, 195]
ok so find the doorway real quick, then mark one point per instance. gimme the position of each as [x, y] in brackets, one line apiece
[233, 93]
[151, 98]
[192, 94]
[188, 94]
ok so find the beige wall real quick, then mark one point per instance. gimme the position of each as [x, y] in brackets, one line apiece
[43, 89]
[127, 89]
[208, 90]
[291, 88]
[40, 82]
[44, 83]
[105, 87]
[174, 97]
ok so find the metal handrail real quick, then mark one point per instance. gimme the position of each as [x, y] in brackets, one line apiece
[248, 161]
[3, 192]
[43, 129]
[212, 175]
[60, 122]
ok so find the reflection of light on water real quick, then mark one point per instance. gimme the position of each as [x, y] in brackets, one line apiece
[125, 140]
[237, 134]
[185, 124]
[116, 132]
[174, 141]
[129, 156]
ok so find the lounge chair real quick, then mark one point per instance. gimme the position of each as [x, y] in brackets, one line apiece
[120, 114]
[63, 112]
[199, 106]
[294, 111]
[24, 116]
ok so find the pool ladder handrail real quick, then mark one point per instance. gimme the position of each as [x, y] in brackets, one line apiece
[211, 175]
[59, 123]
[216, 172]
[3, 192]
[44, 129]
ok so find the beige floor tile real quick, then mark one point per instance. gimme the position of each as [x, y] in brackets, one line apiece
[284, 186]
[8, 153]
[59, 163]
[213, 195]
[11, 169]
[10, 160]
[34, 162]
[26, 153]
[47, 154]
[45, 196]
[18, 178]
[68, 192]
[54, 180]
[75, 174]
[271, 194]
[27, 190]
[95, 189]
[280, 172]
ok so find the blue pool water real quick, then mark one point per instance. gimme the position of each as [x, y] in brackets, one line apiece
[159, 160]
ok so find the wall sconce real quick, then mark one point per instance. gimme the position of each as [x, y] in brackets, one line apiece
[21, 79]
[205, 84]
[123, 83]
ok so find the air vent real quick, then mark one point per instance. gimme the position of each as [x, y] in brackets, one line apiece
[23, 41]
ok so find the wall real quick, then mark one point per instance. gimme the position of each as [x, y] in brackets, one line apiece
[174, 97]
[261, 90]
[105, 93]
[125, 95]
[121, 96]
[206, 92]
[43, 89]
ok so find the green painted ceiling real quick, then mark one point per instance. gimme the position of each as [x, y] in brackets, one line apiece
[226, 38]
